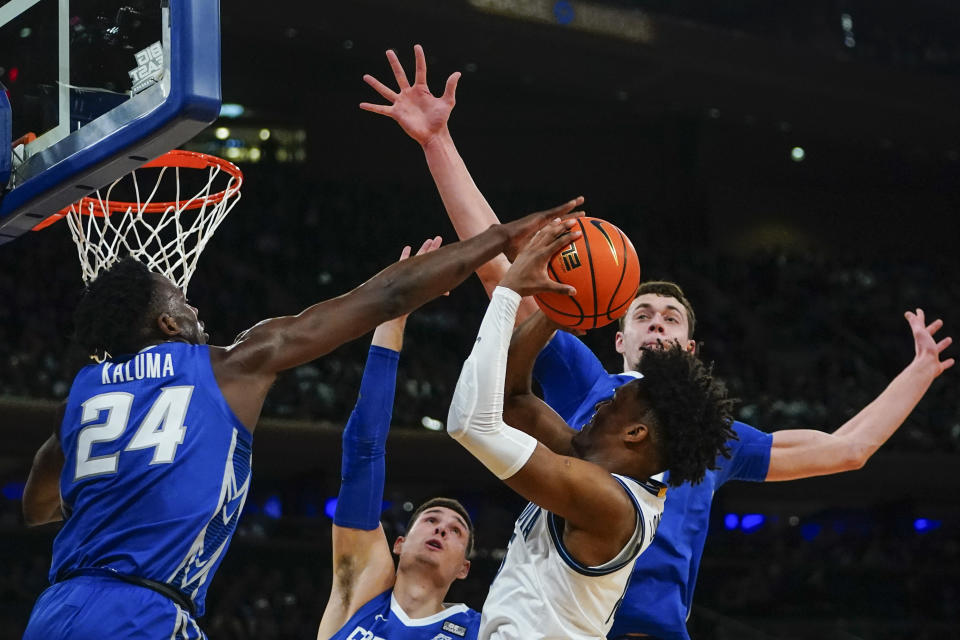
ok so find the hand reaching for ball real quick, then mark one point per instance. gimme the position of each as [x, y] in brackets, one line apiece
[528, 274]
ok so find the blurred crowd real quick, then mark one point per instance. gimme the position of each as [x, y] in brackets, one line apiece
[802, 339]
[921, 37]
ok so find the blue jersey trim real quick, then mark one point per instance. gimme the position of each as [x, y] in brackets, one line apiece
[557, 537]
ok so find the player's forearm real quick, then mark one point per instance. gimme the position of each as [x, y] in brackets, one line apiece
[364, 444]
[469, 211]
[475, 419]
[406, 285]
[41, 505]
[880, 419]
[527, 342]
[395, 291]
[389, 335]
[41, 495]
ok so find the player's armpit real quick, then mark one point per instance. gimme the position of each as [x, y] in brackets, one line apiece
[803, 453]
[586, 496]
[41, 496]
[362, 569]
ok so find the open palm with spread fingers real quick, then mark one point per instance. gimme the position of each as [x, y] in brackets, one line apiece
[421, 114]
[927, 347]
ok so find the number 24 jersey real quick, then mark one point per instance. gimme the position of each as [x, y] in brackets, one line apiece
[156, 469]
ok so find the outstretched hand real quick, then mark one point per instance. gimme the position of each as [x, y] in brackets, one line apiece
[421, 114]
[520, 231]
[528, 274]
[926, 346]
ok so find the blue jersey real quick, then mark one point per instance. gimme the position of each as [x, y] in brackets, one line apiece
[660, 593]
[382, 619]
[156, 470]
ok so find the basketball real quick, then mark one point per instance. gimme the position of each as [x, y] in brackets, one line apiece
[603, 267]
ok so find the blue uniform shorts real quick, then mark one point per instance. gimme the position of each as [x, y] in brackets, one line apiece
[88, 607]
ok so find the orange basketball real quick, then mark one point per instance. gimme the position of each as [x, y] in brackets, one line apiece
[603, 266]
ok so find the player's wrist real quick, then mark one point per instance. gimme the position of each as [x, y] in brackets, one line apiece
[437, 140]
[926, 366]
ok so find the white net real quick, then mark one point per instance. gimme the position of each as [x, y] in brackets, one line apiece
[167, 236]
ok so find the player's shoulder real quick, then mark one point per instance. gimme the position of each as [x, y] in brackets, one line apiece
[462, 612]
[373, 613]
[747, 435]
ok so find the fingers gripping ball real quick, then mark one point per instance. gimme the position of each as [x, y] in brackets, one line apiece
[603, 267]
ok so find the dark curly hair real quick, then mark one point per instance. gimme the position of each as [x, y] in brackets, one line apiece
[453, 505]
[110, 318]
[667, 290]
[692, 413]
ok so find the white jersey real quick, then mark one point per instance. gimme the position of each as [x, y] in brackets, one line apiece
[542, 592]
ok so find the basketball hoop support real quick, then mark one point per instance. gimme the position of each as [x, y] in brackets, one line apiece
[6, 143]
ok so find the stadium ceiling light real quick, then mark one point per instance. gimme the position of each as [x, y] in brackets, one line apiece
[231, 110]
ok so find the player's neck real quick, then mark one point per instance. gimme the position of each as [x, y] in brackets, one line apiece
[629, 466]
[418, 594]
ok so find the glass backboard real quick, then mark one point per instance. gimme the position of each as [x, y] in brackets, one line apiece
[96, 88]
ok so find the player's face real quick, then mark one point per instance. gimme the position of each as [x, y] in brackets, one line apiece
[179, 308]
[438, 538]
[609, 417]
[651, 321]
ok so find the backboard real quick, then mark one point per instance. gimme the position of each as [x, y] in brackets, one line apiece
[97, 88]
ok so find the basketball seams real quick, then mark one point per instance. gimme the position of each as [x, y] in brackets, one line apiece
[553, 274]
[593, 275]
[623, 274]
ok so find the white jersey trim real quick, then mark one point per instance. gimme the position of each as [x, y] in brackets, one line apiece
[627, 554]
[450, 610]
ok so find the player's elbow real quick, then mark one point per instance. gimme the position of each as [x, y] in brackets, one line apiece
[855, 456]
[514, 408]
[35, 515]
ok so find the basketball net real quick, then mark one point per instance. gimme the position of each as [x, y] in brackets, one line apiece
[167, 236]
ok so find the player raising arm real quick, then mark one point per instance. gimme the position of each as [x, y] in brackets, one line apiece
[369, 597]
[574, 381]
[594, 507]
[163, 414]
[424, 118]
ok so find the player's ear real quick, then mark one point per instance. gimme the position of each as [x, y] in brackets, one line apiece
[690, 346]
[398, 545]
[464, 570]
[168, 325]
[618, 342]
[637, 432]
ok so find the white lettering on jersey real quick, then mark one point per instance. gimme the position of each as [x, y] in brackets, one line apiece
[167, 365]
[142, 365]
[362, 634]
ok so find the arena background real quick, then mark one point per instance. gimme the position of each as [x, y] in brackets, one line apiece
[682, 122]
